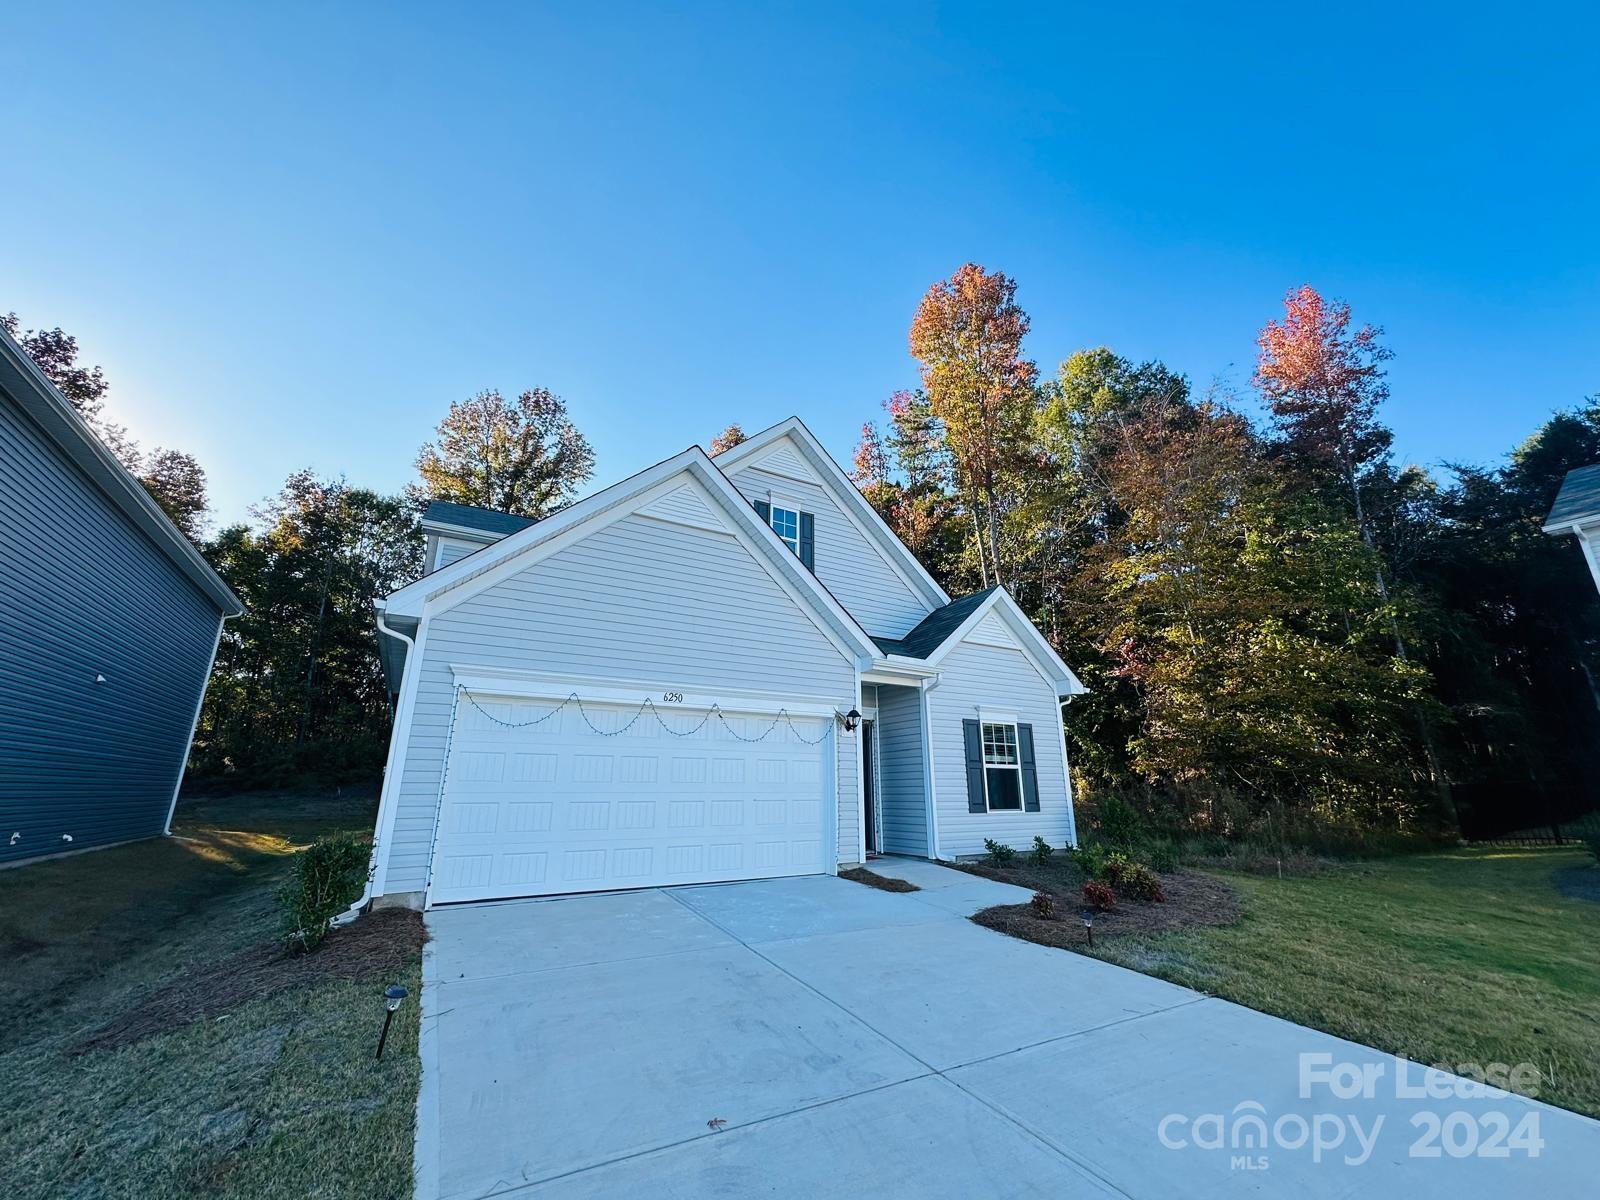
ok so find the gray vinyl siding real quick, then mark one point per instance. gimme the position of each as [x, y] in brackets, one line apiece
[902, 786]
[847, 564]
[1003, 679]
[446, 549]
[638, 600]
[83, 592]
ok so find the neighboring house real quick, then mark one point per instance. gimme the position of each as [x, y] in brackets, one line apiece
[1577, 511]
[713, 670]
[109, 621]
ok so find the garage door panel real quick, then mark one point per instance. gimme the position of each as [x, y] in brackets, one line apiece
[603, 798]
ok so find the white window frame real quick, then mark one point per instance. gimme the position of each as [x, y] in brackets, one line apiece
[774, 507]
[985, 723]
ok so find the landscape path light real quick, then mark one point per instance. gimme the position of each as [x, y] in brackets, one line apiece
[393, 996]
[1088, 923]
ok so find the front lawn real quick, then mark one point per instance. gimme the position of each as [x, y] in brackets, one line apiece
[157, 1047]
[1467, 956]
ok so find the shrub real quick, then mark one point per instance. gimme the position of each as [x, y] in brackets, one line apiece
[1099, 896]
[1042, 850]
[1592, 840]
[1091, 860]
[326, 879]
[1164, 856]
[1044, 906]
[1139, 882]
[1115, 867]
[999, 853]
[1119, 823]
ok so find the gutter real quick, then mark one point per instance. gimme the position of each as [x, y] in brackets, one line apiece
[362, 901]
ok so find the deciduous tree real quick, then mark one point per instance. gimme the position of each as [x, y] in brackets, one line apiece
[967, 334]
[522, 456]
[727, 439]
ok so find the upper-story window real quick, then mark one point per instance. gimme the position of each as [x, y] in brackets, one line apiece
[786, 524]
[795, 526]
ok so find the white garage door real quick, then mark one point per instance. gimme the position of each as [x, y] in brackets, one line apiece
[540, 800]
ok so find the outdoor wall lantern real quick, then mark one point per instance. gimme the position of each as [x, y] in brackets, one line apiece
[1088, 923]
[393, 996]
[852, 720]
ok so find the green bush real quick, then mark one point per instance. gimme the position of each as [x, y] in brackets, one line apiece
[1119, 823]
[1042, 850]
[1116, 866]
[1592, 840]
[999, 853]
[1164, 856]
[1091, 860]
[1139, 882]
[327, 878]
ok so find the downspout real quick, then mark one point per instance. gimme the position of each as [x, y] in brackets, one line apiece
[356, 909]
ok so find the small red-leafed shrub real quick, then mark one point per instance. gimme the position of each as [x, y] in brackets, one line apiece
[1044, 906]
[1099, 896]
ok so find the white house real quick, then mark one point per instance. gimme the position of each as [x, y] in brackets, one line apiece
[714, 670]
[1577, 511]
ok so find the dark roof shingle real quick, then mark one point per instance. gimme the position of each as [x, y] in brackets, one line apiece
[934, 628]
[469, 517]
[1579, 498]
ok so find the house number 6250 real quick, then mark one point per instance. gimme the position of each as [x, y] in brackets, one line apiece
[672, 697]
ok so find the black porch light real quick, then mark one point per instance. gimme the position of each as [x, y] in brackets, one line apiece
[393, 996]
[852, 720]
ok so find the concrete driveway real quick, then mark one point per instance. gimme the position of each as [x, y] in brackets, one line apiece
[813, 1037]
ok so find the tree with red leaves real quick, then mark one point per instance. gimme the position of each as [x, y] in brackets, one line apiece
[1323, 383]
[967, 334]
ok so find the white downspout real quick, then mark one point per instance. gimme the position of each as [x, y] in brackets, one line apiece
[355, 910]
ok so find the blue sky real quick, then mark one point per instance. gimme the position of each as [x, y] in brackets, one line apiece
[293, 235]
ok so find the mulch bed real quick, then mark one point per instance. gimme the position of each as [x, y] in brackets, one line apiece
[881, 882]
[377, 947]
[1578, 883]
[1193, 900]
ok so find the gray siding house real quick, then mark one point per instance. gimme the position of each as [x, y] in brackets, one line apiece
[714, 670]
[1576, 512]
[109, 622]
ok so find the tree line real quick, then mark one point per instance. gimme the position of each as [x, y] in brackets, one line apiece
[1284, 631]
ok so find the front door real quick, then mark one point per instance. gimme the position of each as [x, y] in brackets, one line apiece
[869, 765]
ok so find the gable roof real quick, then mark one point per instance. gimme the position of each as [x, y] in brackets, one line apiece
[847, 496]
[942, 630]
[471, 517]
[625, 497]
[23, 381]
[932, 631]
[1577, 502]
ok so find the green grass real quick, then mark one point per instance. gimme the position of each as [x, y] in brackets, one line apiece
[278, 1098]
[1457, 957]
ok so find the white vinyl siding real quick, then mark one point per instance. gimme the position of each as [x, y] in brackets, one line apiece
[847, 564]
[639, 599]
[902, 786]
[990, 677]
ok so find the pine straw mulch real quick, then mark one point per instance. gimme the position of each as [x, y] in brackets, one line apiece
[1192, 900]
[882, 882]
[376, 947]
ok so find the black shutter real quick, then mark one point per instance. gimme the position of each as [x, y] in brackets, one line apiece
[1030, 773]
[808, 542]
[974, 739]
[764, 511]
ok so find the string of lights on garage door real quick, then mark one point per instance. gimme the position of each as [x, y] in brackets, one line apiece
[648, 707]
